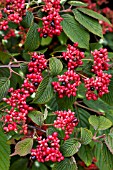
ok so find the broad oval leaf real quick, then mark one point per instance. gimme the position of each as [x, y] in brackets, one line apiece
[55, 66]
[23, 147]
[37, 117]
[74, 31]
[70, 147]
[91, 24]
[44, 92]
[32, 41]
[4, 152]
[94, 14]
[86, 136]
[77, 3]
[27, 20]
[66, 164]
[100, 122]
[4, 86]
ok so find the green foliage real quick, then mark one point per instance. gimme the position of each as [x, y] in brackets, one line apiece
[27, 20]
[70, 147]
[73, 30]
[4, 152]
[37, 117]
[44, 92]
[23, 147]
[100, 122]
[86, 136]
[66, 164]
[55, 66]
[77, 3]
[4, 86]
[32, 40]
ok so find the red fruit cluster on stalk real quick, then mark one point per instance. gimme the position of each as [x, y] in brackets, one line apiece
[98, 86]
[67, 84]
[16, 115]
[48, 149]
[51, 22]
[66, 120]
[74, 56]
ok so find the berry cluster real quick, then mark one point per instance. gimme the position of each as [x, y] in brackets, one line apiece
[19, 108]
[67, 84]
[11, 33]
[98, 86]
[48, 149]
[74, 56]
[66, 120]
[51, 22]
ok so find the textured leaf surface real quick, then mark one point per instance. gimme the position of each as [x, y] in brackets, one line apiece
[77, 3]
[4, 86]
[4, 152]
[100, 122]
[74, 31]
[108, 98]
[27, 20]
[44, 92]
[55, 66]
[23, 147]
[37, 117]
[32, 41]
[66, 164]
[94, 14]
[85, 154]
[91, 24]
[86, 136]
[70, 147]
[109, 142]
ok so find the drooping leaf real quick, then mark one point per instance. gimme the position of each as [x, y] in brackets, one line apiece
[108, 98]
[44, 92]
[66, 164]
[86, 136]
[93, 14]
[32, 41]
[37, 117]
[19, 164]
[74, 31]
[23, 147]
[55, 66]
[100, 122]
[91, 24]
[85, 155]
[4, 86]
[70, 147]
[77, 3]
[109, 142]
[4, 152]
[27, 20]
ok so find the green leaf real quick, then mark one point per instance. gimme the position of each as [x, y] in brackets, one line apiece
[44, 92]
[77, 3]
[37, 117]
[61, 48]
[4, 86]
[93, 14]
[82, 116]
[32, 41]
[23, 147]
[107, 157]
[23, 67]
[85, 155]
[19, 164]
[4, 152]
[66, 164]
[86, 136]
[62, 38]
[74, 31]
[91, 24]
[100, 122]
[55, 66]
[108, 98]
[27, 20]
[109, 142]
[5, 57]
[70, 147]
[45, 41]
[51, 130]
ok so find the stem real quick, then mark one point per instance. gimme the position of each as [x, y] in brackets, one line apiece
[82, 75]
[33, 127]
[66, 10]
[48, 124]
[87, 59]
[99, 113]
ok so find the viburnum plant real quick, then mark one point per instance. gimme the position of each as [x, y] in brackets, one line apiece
[56, 86]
